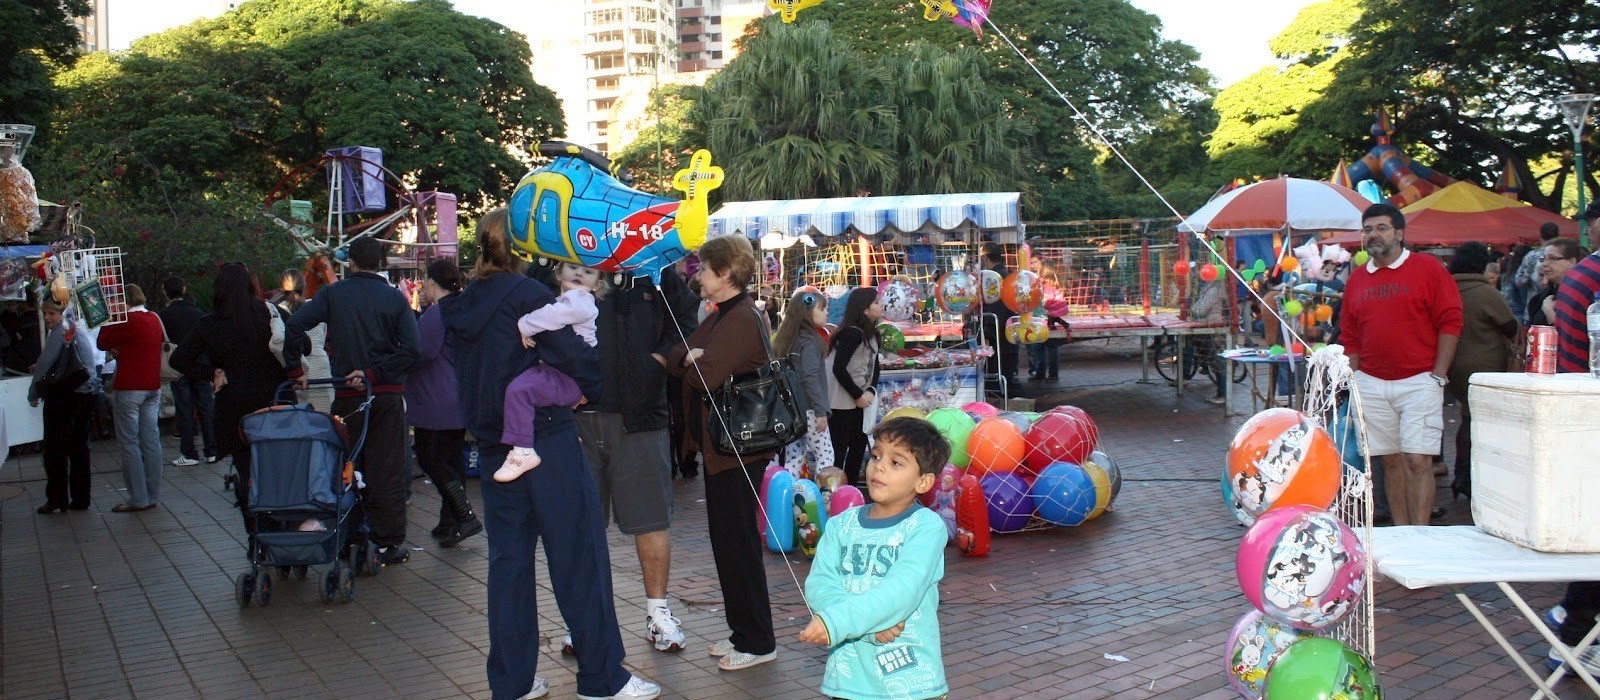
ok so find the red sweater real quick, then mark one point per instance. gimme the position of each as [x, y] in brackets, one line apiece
[138, 345]
[1393, 317]
[1573, 297]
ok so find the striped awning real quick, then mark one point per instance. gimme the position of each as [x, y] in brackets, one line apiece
[988, 212]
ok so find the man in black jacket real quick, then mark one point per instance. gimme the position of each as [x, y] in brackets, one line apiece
[372, 341]
[624, 432]
[191, 393]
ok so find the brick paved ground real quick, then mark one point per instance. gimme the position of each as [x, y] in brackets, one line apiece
[102, 605]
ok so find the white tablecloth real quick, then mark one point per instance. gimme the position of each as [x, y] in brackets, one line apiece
[1422, 557]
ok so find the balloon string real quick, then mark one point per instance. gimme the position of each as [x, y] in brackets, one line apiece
[743, 469]
[1266, 307]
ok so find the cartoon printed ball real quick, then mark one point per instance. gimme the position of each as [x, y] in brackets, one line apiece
[1027, 329]
[990, 282]
[1301, 566]
[1318, 667]
[980, 410]
[1280, 457]
[956, 426]
[1009, 506]
[900, 299]
[1064, 495]
[894, 340]
[957, 291]
[1254, 644]
[995, 445]
[1022, 291]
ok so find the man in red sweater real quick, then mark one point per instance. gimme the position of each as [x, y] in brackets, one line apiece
[136, 400]
[1399, 326]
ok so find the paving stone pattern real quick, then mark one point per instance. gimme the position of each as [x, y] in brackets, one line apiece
[102, 605]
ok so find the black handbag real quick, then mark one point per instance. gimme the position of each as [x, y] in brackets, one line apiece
[758, 412]
[67, 372]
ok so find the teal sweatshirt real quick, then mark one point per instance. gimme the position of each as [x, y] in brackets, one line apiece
[869, 575]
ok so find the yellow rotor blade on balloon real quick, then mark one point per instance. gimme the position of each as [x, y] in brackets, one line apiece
[789, 9]
[935, 10]
[695, 182]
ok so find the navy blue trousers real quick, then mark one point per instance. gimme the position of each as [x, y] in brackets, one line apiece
[558, 503]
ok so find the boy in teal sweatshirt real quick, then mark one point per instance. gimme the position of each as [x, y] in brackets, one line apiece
[874, 585]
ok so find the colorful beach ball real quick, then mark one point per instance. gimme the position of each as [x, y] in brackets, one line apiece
[1318, 668]
[995, 445]
[1008, 503]
[1112, 470]
[1064, 495]
[1022, 291]
[1280, 457]
[1102, 487]
[957, 291]
[894, 340]
[900, 299]
[989, 282]
[1302, 566]
[1064, 434]
[956, 426]
[1255, 642]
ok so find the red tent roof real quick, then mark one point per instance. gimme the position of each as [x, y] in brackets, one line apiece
[1463, 212]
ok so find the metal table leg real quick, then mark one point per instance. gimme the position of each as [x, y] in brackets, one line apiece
[1180, 363]
[1568, 655]
[1511, 651]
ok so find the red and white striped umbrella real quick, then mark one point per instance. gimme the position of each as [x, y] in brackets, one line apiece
[1287, 201]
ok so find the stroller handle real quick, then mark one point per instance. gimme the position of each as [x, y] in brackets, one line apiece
[287, 388]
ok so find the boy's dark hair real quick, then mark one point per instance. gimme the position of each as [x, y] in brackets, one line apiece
[924, 441]
[173, 287]
[1396, 219]
[1548, 231]
[367, 253]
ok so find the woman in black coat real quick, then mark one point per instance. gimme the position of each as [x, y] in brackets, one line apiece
[233, 339]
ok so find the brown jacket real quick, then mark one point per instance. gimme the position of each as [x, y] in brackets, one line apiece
[731, 338]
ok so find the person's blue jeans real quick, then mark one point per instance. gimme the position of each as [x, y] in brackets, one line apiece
[136, 415]
[191, 400]
[1044, 359]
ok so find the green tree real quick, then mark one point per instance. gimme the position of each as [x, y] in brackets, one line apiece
[251, 94]
[35, 36]
[1173, 157]
[954, 134]
[665, 139]
[799, 114]
[1107, 56]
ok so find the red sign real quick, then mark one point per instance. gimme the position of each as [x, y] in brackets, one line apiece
[586, 240]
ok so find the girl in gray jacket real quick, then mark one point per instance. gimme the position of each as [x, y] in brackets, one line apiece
[800, 335]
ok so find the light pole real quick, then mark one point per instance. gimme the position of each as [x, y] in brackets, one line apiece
[1575, 108]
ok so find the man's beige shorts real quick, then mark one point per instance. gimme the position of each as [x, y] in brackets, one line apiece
[1402, 415]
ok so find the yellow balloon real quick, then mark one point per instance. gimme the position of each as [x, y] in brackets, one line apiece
[1102, 488]
[905, 412]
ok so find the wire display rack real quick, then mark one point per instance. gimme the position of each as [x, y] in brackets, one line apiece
[102, 266]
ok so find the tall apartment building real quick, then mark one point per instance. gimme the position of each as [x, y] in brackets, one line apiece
[621, 39]
[706, 30]
[94, 29]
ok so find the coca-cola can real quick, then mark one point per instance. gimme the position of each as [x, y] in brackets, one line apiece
[1541, 353]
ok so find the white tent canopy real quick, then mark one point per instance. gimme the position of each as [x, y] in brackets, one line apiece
[937, 217]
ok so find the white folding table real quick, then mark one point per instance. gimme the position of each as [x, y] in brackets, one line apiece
[1424, 557]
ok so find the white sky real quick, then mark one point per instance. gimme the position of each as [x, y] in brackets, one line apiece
[1231, 35]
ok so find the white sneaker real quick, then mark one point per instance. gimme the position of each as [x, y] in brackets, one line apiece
[539, 690]
[722, 648]
[183, 461]
[662, 629]
[566, 646]
[738, 661]
[636, 689]
[1590, 658]
[1555, 617]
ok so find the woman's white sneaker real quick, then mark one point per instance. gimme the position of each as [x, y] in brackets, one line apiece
[738, 661]
[636, 689]
[539, 690]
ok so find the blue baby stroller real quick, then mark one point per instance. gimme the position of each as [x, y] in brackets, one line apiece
[304, 504]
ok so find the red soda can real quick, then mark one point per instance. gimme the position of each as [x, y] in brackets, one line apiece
[1541, 353]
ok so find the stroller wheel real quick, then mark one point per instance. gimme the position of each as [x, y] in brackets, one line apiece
[331, 583]
[243, 587]
[299, 572]
[263, 592]
[283, 572]
[364, 558]
[347, 585]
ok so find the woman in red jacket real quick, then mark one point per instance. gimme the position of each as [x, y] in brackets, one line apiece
[136, 401]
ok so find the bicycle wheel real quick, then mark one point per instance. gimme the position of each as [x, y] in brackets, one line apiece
[1165, 352]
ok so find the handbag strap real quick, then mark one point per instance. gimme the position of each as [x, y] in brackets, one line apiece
[766, 336]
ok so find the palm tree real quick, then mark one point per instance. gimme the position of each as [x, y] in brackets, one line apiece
[956, 134]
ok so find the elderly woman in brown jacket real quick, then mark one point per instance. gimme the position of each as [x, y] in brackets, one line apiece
[1488, 332]
[728, 343]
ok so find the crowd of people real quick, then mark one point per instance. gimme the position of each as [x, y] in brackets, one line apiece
[585, 395]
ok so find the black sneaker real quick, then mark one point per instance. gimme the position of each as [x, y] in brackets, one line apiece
[396, 554]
